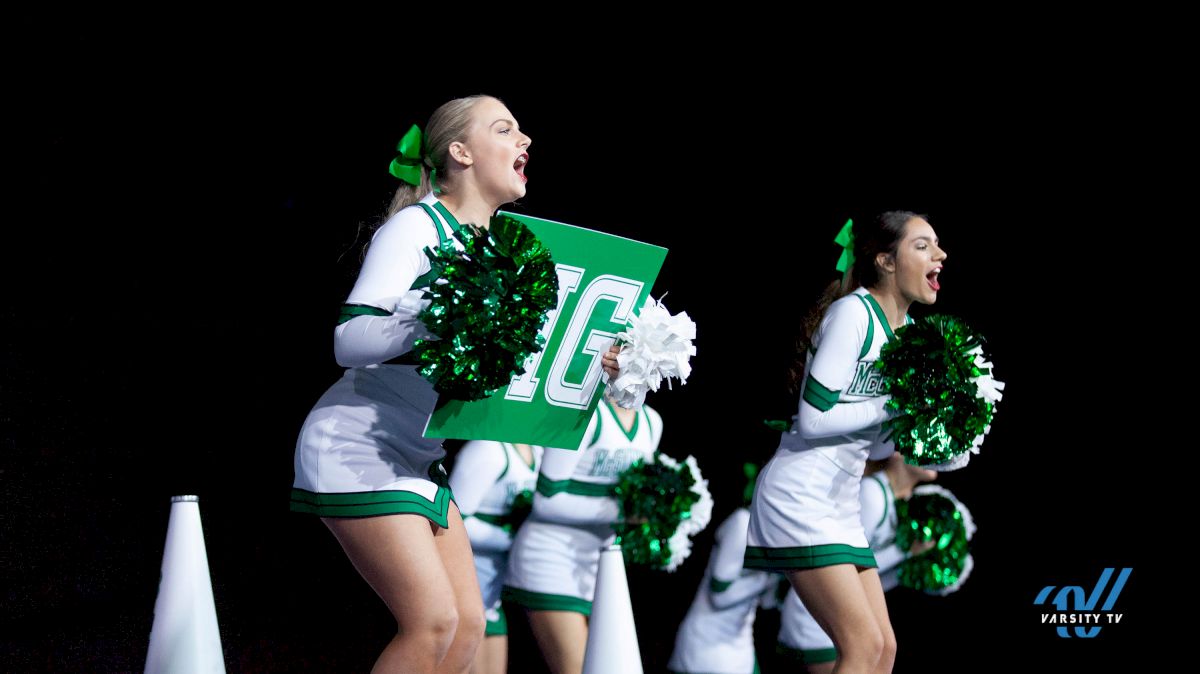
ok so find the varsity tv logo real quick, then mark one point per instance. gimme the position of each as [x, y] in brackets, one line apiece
[1076, 608]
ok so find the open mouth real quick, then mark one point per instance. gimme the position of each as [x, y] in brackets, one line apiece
[932, 279]
[519, 165]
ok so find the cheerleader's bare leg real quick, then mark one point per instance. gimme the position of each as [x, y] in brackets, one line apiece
[426, 576]
[562, 637]
[839, 601]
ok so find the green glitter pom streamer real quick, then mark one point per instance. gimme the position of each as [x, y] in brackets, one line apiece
[931, 517]
[927, 370]
[488, 314]
[654, 499]
[522, 506]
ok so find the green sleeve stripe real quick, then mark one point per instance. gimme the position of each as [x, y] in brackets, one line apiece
[349, 311]
[590, 489]
[501, 521]
[548, 487]
[719, 586]
[424, 280]
[820, 396]
[822, 391]
[815, 401]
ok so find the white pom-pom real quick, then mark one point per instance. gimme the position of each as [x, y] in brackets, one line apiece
[988, 388]
[955, 463]
[657, 346]
[681, 549]
[664, 460]
[701, 509]
[680, 543]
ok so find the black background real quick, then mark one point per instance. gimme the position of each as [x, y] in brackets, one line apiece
[183, 229]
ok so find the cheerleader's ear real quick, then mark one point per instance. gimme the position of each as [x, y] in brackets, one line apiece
[458, 152]
[886, 262]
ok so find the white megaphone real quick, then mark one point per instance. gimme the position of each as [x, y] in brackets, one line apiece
[612, 644]
[184, 638]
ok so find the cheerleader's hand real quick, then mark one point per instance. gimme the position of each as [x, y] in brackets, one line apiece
[891, 413]
[609, 362]
[920, 547]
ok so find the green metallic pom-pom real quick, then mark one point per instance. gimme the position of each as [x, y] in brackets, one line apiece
[519, 511]
[941, 388]
[488, 314]
[662, 504]
[932, 514]
[653, 499]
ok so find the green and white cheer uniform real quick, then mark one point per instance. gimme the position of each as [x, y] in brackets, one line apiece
[553, 562]
[361, 451]
[487, 476]
[717, 634]
[805, 512]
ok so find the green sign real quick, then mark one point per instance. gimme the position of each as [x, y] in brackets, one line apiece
[603, 279]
